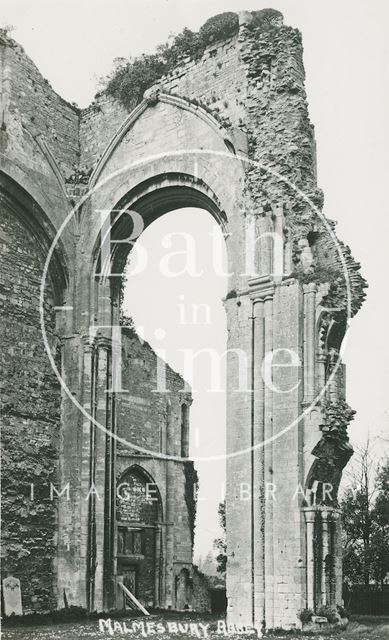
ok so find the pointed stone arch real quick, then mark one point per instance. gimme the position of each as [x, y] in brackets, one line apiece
[149, 101]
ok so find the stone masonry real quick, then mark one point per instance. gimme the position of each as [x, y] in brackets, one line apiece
[35, 540]
[228, 132]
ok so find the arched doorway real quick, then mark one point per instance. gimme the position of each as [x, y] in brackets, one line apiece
[138, 512]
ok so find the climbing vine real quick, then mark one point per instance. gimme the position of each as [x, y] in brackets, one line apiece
[191, 485]
[338, 414]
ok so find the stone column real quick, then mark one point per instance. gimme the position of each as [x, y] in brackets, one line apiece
[170, 493]
[333, 387]
[87, 519]
[163, 565]
[157, 565]
[262, 552]
[309, 341]
[337, 551]
[98, 490]
[268, 463]
[71, 568]
[310, 529]
[325, 551]
[321, 372]
[258, 489]
[239, 507]
[110, 494]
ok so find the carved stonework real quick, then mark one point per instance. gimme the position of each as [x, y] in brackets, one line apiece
[151, 95]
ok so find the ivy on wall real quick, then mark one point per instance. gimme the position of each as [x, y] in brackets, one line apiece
[338, 415]
[29, 521]
[327, 267]
[191, 485]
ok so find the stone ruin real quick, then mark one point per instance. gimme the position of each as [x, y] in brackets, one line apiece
[227, 131]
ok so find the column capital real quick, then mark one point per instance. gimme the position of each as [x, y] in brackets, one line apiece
[311, 287]
[261, 288]
[88, 342]
[335, 514]
[103, 342]
[324, 508]
[262, 295]
[310, 514]
[256, 299]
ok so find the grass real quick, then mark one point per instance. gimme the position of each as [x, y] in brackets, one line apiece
[360, 628]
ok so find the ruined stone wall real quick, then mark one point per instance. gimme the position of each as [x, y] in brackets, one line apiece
[42, 111]
[39, 146]
[281, 135]
[201, 599]
[142, 413]
[98, 123]
[217, 81]
[39, 139]
[144, 420]
[30, 418]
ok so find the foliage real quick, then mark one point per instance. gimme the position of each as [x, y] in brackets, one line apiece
[338, 294]
[29, 524]
[338, 415]
[318, 274]
[129, 82]
[191, 485]
[61, 615]
[329, 613]
[130, 79]
[220, 27]
[381, 508]
[71, 613]
[265, 19]
[220, 543]
[208, 565]
[365, 519]
[125, 321]
[6, 29]
[305, 615]
[328, 267]
[128, 327]
[344, 613]
[380, 519]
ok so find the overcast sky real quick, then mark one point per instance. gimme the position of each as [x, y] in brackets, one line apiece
[73, 42]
